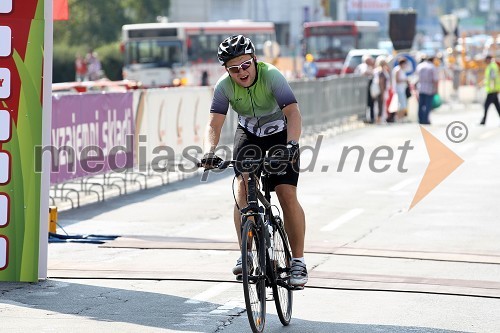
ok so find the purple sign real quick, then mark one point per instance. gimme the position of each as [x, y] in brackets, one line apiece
[91, 134]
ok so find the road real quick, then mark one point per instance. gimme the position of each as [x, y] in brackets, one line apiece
[375, 265]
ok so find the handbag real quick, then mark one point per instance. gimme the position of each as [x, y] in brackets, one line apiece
[394, 104]
[408, 92]
[436, 101]
[374, 88]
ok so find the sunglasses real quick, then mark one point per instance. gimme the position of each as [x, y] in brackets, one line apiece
[244, 66]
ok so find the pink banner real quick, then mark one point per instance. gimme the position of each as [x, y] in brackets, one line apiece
[91, 134]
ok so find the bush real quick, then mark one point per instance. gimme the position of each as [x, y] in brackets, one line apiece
[64, 61]
[111, 60]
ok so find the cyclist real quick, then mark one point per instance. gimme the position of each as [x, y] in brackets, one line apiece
[268, 116]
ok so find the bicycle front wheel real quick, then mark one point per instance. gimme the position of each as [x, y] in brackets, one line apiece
[254, 278]
[283, 297]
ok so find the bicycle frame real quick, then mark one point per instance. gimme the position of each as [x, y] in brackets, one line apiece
[261, 216]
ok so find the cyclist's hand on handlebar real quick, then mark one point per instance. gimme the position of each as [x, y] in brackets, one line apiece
[210, 161]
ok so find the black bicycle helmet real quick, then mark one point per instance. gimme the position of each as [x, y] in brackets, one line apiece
[233, 47]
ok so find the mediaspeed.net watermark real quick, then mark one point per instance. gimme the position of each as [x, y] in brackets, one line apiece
[139, 156]
[93, 159]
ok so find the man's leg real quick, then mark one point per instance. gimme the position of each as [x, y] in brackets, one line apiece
[380, 103]
[241, 198]
[428, 107]
[295, 226]
[294, 217]
[421, 114]
[486, 107]
[496, 102]
[243, 148]
[371, 106]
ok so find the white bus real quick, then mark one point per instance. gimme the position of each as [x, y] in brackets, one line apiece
[168, 54]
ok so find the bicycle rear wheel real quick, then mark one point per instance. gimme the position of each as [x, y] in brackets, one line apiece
[283, 297]
[254, 278]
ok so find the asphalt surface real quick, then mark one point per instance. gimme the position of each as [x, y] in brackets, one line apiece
[374, 265]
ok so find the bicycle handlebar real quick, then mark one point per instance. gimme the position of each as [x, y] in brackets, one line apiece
[273, 161]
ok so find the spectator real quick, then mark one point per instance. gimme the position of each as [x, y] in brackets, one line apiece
[492, 86]
[366, 69]
[399, 84]
[427, 75]
[381, 78]
[204, 78]
[94, 66]
[310, 69]
[80, 68]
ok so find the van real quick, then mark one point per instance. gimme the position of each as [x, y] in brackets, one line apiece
[354, 58]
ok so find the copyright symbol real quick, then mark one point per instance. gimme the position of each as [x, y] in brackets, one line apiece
[457, 132]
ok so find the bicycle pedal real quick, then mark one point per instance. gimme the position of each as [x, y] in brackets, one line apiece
[239, 277]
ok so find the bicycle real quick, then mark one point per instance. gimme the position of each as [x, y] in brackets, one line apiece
[265, 251]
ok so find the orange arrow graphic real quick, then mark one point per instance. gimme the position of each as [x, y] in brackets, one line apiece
[442, 162]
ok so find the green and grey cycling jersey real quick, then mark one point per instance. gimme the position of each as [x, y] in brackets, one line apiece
[258, 106]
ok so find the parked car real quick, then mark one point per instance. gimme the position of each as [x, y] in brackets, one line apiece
[354, 57]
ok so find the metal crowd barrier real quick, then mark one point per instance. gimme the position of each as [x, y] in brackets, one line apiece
[167, 120]
[323, 103]
[330, 100]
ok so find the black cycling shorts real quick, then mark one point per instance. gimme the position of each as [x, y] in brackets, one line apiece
[250, 146]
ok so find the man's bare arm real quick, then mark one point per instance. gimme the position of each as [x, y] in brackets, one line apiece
[294, 121]
[212, 132]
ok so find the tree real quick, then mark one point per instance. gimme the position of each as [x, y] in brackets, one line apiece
[96, 22]
[146, 11]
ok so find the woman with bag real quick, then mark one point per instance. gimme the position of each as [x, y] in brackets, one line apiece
[399, 84]
[380, 86]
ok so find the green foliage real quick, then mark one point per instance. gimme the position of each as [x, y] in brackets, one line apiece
[96, 24]
[64, 62]
[111, 60]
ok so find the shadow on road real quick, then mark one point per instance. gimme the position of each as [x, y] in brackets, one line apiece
[91, 210]
[88, 305]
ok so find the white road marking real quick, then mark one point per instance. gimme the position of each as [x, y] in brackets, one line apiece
[463, 147]
[343, 219]
[209, 293]
[228, 307]
[377, 192]
[398, 193]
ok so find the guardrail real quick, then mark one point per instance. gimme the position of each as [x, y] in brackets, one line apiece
[329, 100]
[138, 135]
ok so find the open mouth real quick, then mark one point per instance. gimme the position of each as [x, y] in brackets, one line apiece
[244, 78]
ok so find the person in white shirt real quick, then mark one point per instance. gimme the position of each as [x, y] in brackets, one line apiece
[366, 69]
[399, 84]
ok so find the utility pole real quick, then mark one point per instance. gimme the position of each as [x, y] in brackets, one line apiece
[492, 16]
[360, 11]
